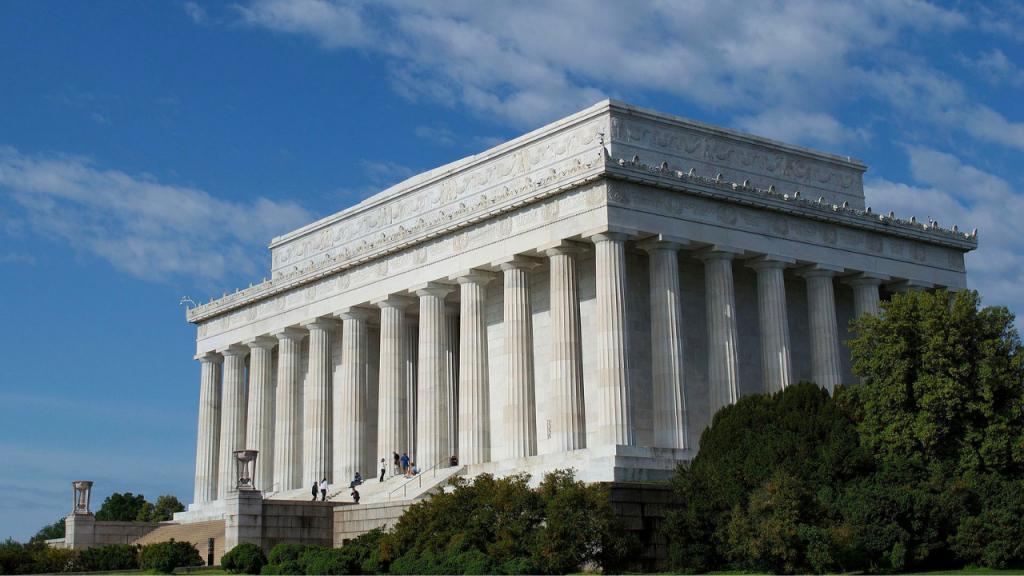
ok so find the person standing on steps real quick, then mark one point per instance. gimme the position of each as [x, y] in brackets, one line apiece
[355, 496]
[398, 463]
[383, 468]
[323, 490]
[314, 490]
[405, 462]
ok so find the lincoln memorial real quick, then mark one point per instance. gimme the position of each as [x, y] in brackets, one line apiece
[587, 295]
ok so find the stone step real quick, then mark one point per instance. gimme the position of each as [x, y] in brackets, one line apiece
[196, 532]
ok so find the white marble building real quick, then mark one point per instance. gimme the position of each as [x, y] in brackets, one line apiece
[586, 295]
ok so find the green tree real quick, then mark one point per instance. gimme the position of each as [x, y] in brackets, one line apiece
[945, 383]
[121, 507]
[162, 511]
[761, 493]
[48, 532]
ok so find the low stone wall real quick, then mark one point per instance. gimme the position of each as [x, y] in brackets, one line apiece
[84, 531]
[641, 509]
[298, 522]
[352, 521]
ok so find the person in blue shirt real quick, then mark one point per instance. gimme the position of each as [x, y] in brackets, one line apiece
[405, 462]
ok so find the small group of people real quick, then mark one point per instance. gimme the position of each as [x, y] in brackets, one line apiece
[322, 488]
[403, 466]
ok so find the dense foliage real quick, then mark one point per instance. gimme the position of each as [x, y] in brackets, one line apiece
[35, 558]
[162, 511]
[919, 467]
[164, 557]
[487, 526]
[121, 507]
[245, 558]
[109, 557]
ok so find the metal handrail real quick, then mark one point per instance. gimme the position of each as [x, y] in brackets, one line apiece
[419, 477]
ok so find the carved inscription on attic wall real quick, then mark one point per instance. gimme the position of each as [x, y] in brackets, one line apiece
[455, 199]
[712, 154]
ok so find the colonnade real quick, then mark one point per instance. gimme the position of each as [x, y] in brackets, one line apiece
[434, 392]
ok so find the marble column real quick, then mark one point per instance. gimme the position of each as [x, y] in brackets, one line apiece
[474, 384]
[432, 380]
[316, 433]
[259, 424]
[520, 411]
[232, 422]
[412, 349]
[208, 438]
[451, 337]
[392, 404]
[568, 409]
[773, 322]
[826, 369]
[671, 421]
[723, 338]
[865, 292]
[288, 416]
[614, 389]
[350, 398]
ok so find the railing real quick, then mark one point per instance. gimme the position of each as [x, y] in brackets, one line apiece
[418, 478]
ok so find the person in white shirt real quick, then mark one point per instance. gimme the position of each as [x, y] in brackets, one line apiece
[323, 490]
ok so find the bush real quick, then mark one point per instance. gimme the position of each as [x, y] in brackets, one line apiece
[110, 557]
[246, 558]
[164, 557]
[12, 556]
[285, 552]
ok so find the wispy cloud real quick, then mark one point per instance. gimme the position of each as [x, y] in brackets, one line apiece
[800, 127]
[146, 228]
[953, 192]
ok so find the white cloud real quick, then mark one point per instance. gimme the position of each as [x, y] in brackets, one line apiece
[996, 68]
[530, 62]
[435, 134]
[148, 229]
[952, 192]
[196, 12]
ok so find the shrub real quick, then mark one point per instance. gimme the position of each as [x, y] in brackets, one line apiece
[12, 556]
[164, 557]
[246, 558]
[287, 551]
[110, 557]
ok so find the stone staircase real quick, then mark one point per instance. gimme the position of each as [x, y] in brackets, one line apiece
[394, 487]
[195, 532]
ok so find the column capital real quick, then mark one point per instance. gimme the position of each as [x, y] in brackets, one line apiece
[560, 247]
[904, 286]
[662, 242]
[265, 342]
[354, 313]
[516, 261]
[473, 276]
[865, 279]
[432, 289]
[819, 271]
[234, 350]
[769, 261]
[322, 323]
[717, 252]
[393, 301]
[609, 233]
[290, 333]
[209, 357]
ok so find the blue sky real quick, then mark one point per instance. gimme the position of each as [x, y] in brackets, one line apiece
[151, 149]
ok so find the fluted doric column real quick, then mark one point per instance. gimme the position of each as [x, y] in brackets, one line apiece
[865, 292]
[432, 381]
[259, 424]
[316, 434]
[773, 321]
[723, 356]
[826, 369]
[520, 413]
[208, 438]
[615, 391]
[232, 422]
[568, 409]
[671, 420]
[393, 402]
[451, 338]
[288, 416]
[350, 397]
[474, 382]
[412, 350]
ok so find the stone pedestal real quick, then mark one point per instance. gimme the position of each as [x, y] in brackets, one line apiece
[79, 531]
[243, 521]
